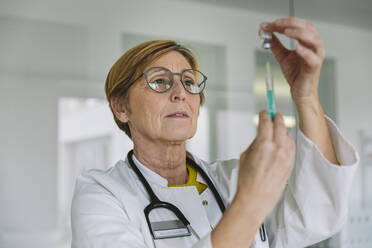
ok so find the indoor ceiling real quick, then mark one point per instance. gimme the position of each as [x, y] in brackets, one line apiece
[356, 13]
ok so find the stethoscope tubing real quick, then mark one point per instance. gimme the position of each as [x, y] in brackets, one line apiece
[152, 195]
[156, 203]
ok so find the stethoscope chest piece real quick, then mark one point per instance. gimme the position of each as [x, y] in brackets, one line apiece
[168, 229]
[175, 227]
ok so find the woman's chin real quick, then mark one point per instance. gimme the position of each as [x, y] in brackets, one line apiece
[178, 136]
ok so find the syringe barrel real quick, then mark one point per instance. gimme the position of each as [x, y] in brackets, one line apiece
[271, 106]
[269, 81]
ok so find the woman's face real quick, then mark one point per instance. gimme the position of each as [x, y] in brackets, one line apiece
[170, 116]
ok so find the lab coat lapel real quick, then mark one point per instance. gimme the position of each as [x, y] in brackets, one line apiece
[210, 204]
[214, 213]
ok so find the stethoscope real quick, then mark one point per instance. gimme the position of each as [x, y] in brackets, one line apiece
[155, 228]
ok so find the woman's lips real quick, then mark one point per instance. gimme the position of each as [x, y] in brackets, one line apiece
[178, 115]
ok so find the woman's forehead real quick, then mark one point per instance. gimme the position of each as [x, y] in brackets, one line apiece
[173, 61]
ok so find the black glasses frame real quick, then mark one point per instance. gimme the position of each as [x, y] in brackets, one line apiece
[203, 82]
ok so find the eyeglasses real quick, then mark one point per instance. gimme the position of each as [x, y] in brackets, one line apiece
[161, 79]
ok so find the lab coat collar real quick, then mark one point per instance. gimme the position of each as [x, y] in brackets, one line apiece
[200, 179]
[151, 176]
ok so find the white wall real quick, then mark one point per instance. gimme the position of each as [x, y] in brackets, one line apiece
[53, 48]
[353, 65]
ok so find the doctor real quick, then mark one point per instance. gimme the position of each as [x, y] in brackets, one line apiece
[163, 196]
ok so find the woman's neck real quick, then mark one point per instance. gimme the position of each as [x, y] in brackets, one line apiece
[168, 159]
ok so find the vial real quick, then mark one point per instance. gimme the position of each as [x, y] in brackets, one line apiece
[266, 37]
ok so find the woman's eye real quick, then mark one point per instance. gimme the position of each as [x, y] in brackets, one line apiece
[159, 81]
[189, 82]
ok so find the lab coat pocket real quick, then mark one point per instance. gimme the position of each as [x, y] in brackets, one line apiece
[175, 242]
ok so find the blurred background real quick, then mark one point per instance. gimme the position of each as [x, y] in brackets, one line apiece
[55, 122]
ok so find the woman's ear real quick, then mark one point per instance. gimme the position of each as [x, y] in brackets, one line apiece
[119, 108]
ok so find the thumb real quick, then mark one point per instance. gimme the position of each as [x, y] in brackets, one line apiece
[251, 146]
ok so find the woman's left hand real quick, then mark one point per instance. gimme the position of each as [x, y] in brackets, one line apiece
[301, 67]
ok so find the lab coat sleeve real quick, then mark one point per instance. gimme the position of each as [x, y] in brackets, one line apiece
[314, 204]
[99, 219]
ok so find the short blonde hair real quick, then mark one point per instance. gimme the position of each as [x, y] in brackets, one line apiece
[130, 66]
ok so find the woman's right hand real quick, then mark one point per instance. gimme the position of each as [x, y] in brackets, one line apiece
[263, 173]
[266, 165]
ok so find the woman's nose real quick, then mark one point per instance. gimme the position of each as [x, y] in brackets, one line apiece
[178, 92]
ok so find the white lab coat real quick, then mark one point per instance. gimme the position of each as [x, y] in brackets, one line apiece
[107, 209]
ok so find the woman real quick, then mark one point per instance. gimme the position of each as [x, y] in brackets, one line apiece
[155, 93]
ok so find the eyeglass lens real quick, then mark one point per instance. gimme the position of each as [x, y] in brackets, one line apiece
[161, 79]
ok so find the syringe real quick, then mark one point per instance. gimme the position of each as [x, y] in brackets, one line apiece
[271, 108]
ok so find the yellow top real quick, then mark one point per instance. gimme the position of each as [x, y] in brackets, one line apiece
[191, 181]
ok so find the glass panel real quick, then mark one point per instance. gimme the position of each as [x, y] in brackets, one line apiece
[327, 88]
[86, 137]
[344, 92]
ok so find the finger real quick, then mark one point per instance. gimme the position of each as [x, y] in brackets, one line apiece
[265, 127]
[279, 25]
[293, 22]
[291, 144]
[280, 131]
[298, 29]
[307, 38]
[279, 51]
[309, 57]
